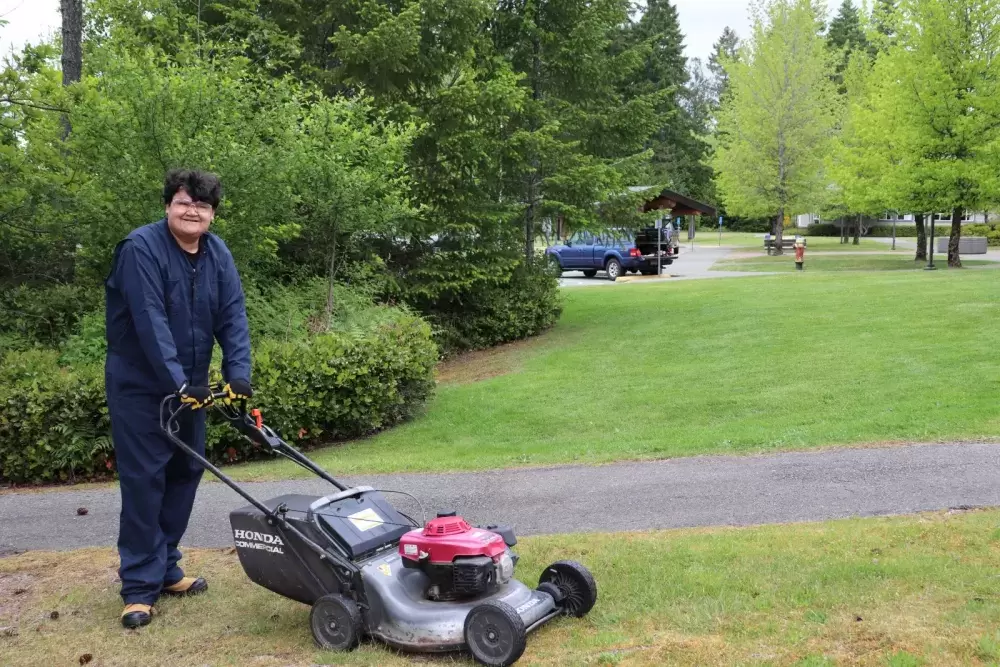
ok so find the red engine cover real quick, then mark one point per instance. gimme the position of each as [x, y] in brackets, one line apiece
[445, 538]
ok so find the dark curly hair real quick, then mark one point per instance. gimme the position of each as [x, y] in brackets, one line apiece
[200, 185]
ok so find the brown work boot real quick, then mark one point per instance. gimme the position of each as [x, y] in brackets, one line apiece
[187, 586]
[136, 615]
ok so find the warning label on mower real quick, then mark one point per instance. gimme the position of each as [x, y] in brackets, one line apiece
[249, 539]
[366, 519]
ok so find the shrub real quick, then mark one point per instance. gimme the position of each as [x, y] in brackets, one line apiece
[488, 315]
[756, 225]
[46, 315]
[340, 385]
[820, 229]
[53, 421]
[316, 389]
[902, 231]
[87, 345]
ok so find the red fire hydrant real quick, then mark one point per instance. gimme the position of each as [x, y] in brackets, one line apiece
[800, 252]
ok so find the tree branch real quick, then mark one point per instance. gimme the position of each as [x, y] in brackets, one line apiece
[34, 105]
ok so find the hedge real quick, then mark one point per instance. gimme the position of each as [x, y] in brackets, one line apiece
[54, 424]
[524, 305]
[45, 315]
[941, 228]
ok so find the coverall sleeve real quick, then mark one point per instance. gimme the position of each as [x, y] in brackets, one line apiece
[232, 329]
[140, 282]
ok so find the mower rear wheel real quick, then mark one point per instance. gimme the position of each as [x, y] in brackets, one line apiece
[576, 584]
[336, 623]
[495, 634]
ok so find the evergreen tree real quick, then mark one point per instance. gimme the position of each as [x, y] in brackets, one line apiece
[580, 138]
[725, 49]
[845, 36]
[680, 149]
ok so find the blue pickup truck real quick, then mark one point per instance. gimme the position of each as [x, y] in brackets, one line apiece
[612, 252]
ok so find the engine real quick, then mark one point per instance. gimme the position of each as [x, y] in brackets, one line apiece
[461, 561]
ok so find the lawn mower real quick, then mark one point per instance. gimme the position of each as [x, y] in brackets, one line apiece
[370, 570]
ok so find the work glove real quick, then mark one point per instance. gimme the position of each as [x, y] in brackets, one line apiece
[238, 389]
[197, 397]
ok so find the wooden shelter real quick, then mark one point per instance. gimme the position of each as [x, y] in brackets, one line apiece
[675, 205]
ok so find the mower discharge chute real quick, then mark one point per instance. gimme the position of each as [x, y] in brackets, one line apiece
[367, 569]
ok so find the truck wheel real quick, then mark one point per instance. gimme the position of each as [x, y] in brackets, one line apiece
[590, 273]
[614, 269]
[555, 265]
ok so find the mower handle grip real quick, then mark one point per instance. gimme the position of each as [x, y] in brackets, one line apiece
[249, 425]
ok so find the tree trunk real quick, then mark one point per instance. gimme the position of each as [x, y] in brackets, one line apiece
[529, 225]
[857, 231]
[329, 289]
[956, 236]
[921, 239]
[72, 52]
[529, 214]
[779, 227]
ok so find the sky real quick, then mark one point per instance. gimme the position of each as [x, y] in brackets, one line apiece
[702, 22]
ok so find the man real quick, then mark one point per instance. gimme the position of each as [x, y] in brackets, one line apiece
[172, 290]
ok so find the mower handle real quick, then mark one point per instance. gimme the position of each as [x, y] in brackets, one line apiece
[251, 426]
[254, 429]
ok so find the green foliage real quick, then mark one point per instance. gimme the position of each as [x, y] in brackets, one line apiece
[87, 346]
[988, 647]
[342, 384]
[935, 92]
[38, 230]
[581, 135]
[678, 141]
[53, 421]
[45, 315]
[821, 229]
[778, 117]
[314, 389]
[524, 305]
[846, 36]
[401, 152]
[746, 224]
[259, 133]
[725, 50]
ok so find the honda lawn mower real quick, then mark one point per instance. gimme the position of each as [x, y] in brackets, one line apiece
[367, 569]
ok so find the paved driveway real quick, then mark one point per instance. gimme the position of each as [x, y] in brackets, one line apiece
[698, 491]
[691, 264]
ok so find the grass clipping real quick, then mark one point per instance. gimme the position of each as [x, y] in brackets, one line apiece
[898, 591]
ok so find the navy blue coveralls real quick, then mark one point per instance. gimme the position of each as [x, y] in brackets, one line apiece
[165, 308]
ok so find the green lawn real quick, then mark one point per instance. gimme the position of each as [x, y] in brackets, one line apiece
[866, 262]
[756, 241]
[900, 591]
[723, 366]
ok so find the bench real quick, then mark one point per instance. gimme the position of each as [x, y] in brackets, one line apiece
[786, 243]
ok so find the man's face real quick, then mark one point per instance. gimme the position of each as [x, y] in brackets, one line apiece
[187, 218]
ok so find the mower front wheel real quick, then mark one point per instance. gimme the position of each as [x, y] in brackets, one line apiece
[336, 623]
[495, 634]
[574, 581]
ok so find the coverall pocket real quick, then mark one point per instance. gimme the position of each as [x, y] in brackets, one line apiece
[173, 297]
